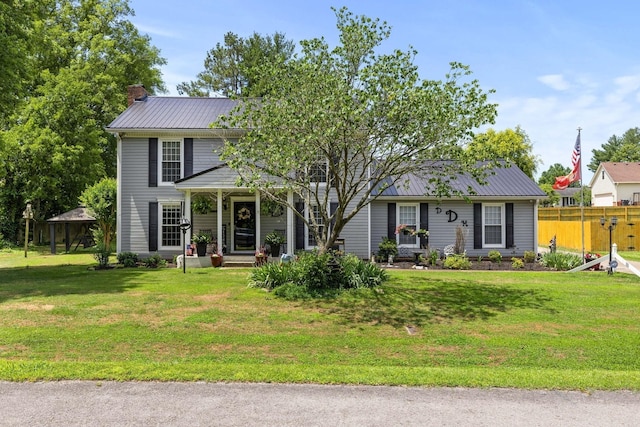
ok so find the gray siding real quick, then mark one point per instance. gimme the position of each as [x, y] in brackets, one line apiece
[445, 217]
[136, 193]
[355, 235]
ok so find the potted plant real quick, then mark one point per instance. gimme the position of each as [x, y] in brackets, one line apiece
[216, 259]
[275, 240]
[261, 256]
[201, 239]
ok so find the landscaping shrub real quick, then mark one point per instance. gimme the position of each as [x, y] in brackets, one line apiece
[313, 275]
[102, 252]
[495, 256]
[4, 243]
[433, 257]
[272, 275]
[561, 260]
[387, 247]
[128, 259]
[154, 261]
[529, 257]
[517, 263]
[457, 262]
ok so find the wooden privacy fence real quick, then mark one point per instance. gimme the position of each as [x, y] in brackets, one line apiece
[566, 225]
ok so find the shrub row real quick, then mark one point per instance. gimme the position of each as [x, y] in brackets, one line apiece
[131, 259]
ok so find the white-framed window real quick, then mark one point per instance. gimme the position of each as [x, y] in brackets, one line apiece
[493, 225]
[311, 238]
[408, 214]
[318, 171]
[171, 162]
[170, 233]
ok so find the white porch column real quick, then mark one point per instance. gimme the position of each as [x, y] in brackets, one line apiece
[219, 220]
[291, 229]
[187, 214]
[258, 219]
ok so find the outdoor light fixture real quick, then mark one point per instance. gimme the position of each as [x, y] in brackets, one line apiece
[612, 224]
[27, 214]
[185, 224]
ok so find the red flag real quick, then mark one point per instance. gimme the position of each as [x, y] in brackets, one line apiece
[563, 182]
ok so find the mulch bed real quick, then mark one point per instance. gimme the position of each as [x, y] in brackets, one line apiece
[482, 265]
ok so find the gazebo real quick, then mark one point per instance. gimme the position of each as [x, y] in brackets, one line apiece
[82, 221]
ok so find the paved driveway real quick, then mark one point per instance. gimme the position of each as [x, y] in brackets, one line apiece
[89, 403]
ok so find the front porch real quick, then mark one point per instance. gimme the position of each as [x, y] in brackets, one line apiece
[238, 220]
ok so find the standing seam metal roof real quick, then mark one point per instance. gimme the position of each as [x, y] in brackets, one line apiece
[173, 113]
[505, 182]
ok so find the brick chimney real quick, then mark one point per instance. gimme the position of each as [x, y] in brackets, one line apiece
[136, 93]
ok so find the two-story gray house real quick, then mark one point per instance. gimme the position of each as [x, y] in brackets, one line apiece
[168, 155]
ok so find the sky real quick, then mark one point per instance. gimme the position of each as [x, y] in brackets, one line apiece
[555, 65]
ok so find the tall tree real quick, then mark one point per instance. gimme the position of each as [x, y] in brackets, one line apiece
[86, 53]
[16, 25]
[100, 200]
[229, 67]
[339, 124]
[618, 149]
[511, 145]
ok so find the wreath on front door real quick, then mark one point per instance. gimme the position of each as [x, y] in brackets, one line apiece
[244, 214]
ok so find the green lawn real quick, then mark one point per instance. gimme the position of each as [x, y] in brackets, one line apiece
[60, 319]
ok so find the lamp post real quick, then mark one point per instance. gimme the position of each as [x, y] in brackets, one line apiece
[27, 214]
[185, 224]
[612, 224]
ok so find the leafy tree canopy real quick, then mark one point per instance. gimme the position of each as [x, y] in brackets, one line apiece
[618, 149]
[230, 67]
[511, 145]
[81, 56]
[359, 119]
[552, 196]
[100, 200]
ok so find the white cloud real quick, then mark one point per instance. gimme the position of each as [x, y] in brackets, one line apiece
[555, 81]
[157, 31]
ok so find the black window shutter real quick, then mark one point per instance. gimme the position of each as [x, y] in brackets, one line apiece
[391, 221]
[153, 226]
[299, 226]
[477, 225]
[188, 157]
[424, 223]
[153, 162]
[509, 220]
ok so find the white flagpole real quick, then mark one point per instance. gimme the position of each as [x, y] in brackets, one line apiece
[581, 195]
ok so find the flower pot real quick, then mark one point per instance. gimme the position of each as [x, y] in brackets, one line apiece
[275, 250]
[201, 248]
[216, 260]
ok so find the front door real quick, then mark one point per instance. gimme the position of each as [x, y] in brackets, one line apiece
[244, 226]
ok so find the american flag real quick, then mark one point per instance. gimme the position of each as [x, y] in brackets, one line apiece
[563, 182]
[575, 160]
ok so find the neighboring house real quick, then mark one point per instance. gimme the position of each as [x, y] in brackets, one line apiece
[568, 196]
[167, 154]
[616, 184]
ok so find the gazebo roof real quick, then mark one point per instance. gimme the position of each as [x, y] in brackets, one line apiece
[78, 214]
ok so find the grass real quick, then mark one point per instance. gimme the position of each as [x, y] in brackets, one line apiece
[60, 319]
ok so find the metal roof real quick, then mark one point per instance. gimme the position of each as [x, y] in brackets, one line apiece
[79, 214]
[160, 112]
[507, 181]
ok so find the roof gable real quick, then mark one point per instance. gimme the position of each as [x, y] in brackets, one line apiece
[622, 172]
